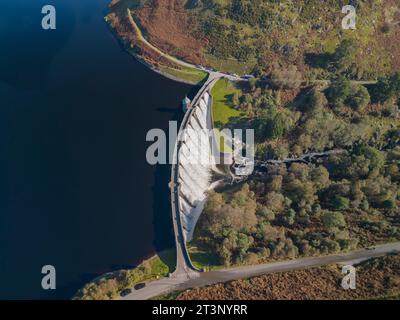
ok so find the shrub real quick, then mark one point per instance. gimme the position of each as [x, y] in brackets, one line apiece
[344, 56]
[288, 78]
[340, 203]
[359, 98]
[386, 88]
[342, 92]
[333, 220]
[316, 102]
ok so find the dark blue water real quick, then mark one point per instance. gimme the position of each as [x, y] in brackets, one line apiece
[75, 189]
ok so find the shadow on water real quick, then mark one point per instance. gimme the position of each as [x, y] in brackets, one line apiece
[164, 239]
[163, 228]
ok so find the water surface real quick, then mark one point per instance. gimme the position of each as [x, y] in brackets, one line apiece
[75, 189]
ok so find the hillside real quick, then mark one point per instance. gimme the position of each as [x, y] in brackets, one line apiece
[242, 36]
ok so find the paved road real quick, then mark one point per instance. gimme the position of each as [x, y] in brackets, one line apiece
[183, 282]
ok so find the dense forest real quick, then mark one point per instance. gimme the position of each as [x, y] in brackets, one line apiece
[346, 200]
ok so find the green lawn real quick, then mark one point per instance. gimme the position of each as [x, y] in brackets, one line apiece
[223, 110]
[192, 75]
[202, 259]
[231, 65]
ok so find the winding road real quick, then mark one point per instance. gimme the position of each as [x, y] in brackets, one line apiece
[173, 59]
[167, 285]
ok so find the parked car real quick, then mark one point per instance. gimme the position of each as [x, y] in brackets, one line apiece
[125, 292]
[140, 286]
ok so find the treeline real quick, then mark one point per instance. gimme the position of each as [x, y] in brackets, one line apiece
[304, 210]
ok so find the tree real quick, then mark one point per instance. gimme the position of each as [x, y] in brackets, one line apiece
[289, 217]
[270, 124]
[268, 100]
[320, 177]
[343, 92]
[224, 252]
[223, 216]
[339, 91]
[275, 183]
[288, 78]
[359, 98]
[333, 220]
[278, 126]
[266, 213]
[376, 158]
[393, 139]
[316, 101]
[386, 88]
[330, 246]
[340, 203]
[344, 56]
[244, 242]
[275, 201]
[272, 234]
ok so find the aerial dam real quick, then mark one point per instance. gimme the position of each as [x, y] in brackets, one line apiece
[195, 166]
[191, 174]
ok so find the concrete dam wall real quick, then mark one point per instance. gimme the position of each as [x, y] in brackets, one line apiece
[195, 164]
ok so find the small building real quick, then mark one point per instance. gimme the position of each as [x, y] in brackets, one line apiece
[243, 166]
[186, 104]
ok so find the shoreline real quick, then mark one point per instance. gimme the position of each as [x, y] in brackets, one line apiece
[143, 62]
[113, 275]
[148, 52]
[152, 268]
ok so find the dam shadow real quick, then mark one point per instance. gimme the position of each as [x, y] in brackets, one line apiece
[164, 243]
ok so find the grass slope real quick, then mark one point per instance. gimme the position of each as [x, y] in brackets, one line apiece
[223, 108]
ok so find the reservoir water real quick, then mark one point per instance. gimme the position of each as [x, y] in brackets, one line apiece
[75, 189]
